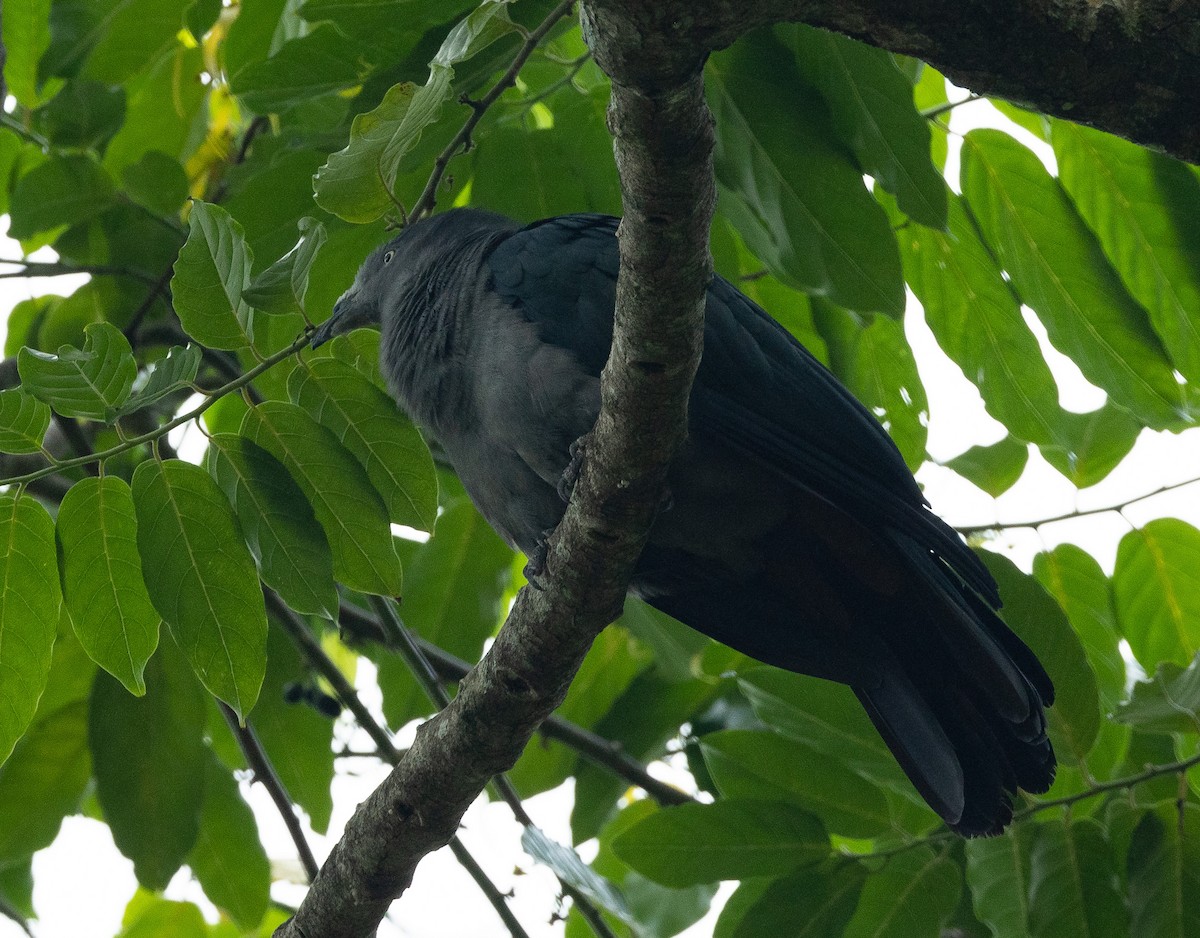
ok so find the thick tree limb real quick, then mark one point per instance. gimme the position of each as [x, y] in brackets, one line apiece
[664, 142]
[1129, 68]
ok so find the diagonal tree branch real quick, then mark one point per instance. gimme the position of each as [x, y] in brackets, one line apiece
[664, 137]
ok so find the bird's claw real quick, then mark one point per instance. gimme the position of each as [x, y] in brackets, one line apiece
[537, 561]
[566, 482]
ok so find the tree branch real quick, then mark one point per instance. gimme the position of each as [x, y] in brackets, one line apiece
[664, 137]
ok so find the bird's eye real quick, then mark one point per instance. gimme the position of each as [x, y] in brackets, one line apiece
[388, 256]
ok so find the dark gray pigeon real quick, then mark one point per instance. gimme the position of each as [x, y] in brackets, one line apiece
[796, 533]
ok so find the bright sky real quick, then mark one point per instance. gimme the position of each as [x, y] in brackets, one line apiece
[83, 883]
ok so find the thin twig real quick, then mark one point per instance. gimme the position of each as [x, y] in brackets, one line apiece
[575, 66]
[147, 304]
[938, 110]
[495, 896]
[54, 269]
[134, 441]
[1078, 513]
[428, 199]
[264, 772]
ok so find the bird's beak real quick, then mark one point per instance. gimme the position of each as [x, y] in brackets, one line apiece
[339, 321]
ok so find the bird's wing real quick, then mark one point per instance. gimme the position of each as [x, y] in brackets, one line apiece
[757, 389]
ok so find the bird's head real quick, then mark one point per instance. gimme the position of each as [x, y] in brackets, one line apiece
[392, 269]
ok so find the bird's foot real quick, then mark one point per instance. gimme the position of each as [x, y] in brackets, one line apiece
[537, 561]
[566, 482]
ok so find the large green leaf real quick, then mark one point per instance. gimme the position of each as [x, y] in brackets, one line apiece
[281, 288]
[358, 183]
[102, 578]
[1164, 873]
[323, 61]
[149, 759]
[211, 272]
[520, 173]
[345, 502]
[277, 522]
[998, 875]
[994, 468]
[1057, 267]
[756, 764]
[733, 839]
[871, 106]
[455, 586]
[29, 608]
[129, 33]
[1079, 586]
[26, 36]
[43, 781]
[811, 903]
[367, 422]
[1040, 622]
[788, 187]
[83, 115]
[913, 895]
[173, 373]
[61, 191]
[228, 858]
[1073, 880]
[157, 182]
[201, 578]
[1168, 703]
[1145, 210]
[91, 382]
[1156, 590]
[23, 421]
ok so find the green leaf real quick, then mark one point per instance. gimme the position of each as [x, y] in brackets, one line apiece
[321, 62]
[29, 610]
[368, 423]
[298, 740]
[810, 903]
[43, 781]
[132, 33]
[91, 382]
[1079, 586]
[277, 522]
[871, 105]
[913, 895]
[755, 764]
[455, 586]
[358, 182]
[212, 270]
[998, 874]
[228, 859]
[1164, 873]
[26, 35]
[994, 468]
[732, 839]
[519, 172]
[148, 916]
[789, 188]
[1143, 208]
[149, 757]
[825, 717]
[1101, 439]
[1038, 620]
[1073, 884]
[61, 191]
[83, 115]
[346, 504]
[282, 286]
[23, 421]
[201, 578]
[157, 182]
[1167, 703]
[172, 373]
[570, 869]
[1156, 591]
[1057, 267]
[102, 578]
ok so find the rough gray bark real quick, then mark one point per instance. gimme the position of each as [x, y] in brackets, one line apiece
[1128, 68]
